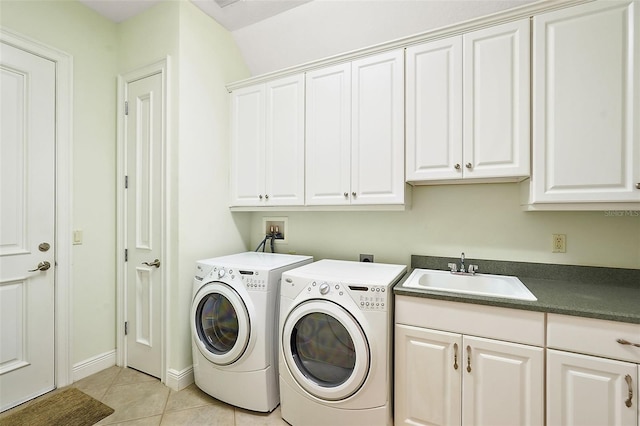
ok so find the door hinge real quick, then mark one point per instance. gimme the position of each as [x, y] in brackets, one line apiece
[126, 107]
[126, 255]
[126, 328]
[126, 182]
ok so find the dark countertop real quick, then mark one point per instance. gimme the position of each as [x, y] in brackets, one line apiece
[594, 292]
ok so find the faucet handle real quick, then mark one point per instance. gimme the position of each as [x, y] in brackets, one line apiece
[453, 267]
[473, 269]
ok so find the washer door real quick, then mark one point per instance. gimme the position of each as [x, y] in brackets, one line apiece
[325, 349]
[220, 323]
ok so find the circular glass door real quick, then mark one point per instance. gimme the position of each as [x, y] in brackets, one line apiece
[220, 323]
[326, 350]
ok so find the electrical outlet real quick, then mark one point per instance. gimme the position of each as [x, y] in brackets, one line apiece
[559, 243]
[366, 258]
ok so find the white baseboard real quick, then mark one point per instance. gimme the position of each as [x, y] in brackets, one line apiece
[93, 365]
[178, 380]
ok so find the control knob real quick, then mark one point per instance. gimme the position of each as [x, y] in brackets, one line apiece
[324, 288]
[220, 273]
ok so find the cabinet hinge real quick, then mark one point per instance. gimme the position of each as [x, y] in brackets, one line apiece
[126, 182]
[126, 255]
[126, 328]
[126, 107]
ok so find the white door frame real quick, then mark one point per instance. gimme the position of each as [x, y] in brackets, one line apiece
[159, 67]
[63, 162]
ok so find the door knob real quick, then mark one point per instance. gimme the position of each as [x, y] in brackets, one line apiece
[155, 263]
[42, 266]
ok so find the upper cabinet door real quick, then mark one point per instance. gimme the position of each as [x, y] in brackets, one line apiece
[496, 114]
[434, 110]
[284, 142]
[247, 146]
[586, 143]
[377, 129]
[328, 136]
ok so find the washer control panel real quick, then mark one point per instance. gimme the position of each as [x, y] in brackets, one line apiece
[367, 297]
[251, 279]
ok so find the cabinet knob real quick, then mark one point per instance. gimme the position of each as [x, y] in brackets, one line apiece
[346, 194]
[638, 185]
[260, 196]
[266, 197]
[353, 194]
[457, 166]
[468, 165]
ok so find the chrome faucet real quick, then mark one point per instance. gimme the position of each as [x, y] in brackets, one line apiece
[454, 268]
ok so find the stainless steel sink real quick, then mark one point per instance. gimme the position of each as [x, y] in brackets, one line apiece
[481, 284]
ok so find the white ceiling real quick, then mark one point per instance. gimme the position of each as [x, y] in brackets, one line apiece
[234, 16]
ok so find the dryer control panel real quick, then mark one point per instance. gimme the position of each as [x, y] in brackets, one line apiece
[367, 297]
[371, 297]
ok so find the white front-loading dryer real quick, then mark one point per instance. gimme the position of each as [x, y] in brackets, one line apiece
[233, 327]
[335, 347]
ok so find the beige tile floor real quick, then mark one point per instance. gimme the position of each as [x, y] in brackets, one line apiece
[141, 400]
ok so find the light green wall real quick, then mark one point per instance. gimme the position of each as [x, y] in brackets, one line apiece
[92, 41]
[483, 220]
[209, 59]
[203, 59]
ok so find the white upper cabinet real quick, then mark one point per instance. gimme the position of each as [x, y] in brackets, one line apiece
[496, 93]
[468, 106]
[267, 149]
[328, 136]
[586, 78]
[247, 146]
[377, 129]
[434, 110]
[355, 132]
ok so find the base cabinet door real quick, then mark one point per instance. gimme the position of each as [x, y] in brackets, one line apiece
[427, 376]
[502, 383]
[585, 390]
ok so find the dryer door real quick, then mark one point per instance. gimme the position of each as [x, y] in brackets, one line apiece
[325, 350]
[220, 323]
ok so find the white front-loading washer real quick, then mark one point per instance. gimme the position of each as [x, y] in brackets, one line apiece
[335, 348]
[234, 327]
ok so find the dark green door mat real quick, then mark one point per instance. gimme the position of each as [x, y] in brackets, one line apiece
[69, 407]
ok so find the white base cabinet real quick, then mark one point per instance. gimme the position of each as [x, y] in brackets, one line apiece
[592, 372]
[584, 390]
[447, 377]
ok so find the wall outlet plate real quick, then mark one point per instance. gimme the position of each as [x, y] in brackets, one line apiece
[559, 243]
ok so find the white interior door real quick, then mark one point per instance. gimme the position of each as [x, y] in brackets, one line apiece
[144, 206]
[27, 224]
